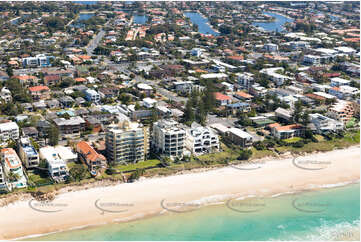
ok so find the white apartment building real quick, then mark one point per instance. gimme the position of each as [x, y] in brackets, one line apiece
[269, 47]
[168, 138]
[92, 95]
[312, 59]
[9, 130]
[127, 142]
[245, 79]
[279, 79]
[57, 167]
[336, 82]
[12, 164]
[202, 140]
[5, 95]
[325, 124]
[28, 153]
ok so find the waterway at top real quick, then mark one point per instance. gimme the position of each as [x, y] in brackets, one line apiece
[202, 23]
[276, 25]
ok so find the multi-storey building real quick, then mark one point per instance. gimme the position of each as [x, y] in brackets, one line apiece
[71, 126]
[202, 140]
[325, 124]
[342, 111]
[269, 47]
[245, 80]
[13, 169]
[57, 167]
[28, 153]
[41, 60]
[92, 95]
[9, 130]
[168, 138]
[127, 142]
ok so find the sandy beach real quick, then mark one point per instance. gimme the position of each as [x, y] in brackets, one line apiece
[143, 198]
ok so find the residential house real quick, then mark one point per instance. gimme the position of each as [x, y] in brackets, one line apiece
[90, 157]
[92, 96]
[28, 153]
[71, 126]
[39, 92]
[325, 124]
[202, 140]
[149, 102]
[221, 99]
[284, 114]
[344, 92]
[12, 165]
[57, 168]
[273, 74]
[239, 137]
[9, 130]
[5, 95]
[286, 132]
[239, 107]
[337, 82]
[243, 96]
[66, 153]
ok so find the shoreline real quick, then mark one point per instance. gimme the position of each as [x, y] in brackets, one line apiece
[222, 202]
[211, 186]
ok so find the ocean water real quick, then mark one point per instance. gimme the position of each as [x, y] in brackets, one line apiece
[326, 214]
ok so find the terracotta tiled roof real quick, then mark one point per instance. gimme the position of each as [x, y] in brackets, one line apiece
[88, 151]
[38, 88]
[221, 97]
[288, 127]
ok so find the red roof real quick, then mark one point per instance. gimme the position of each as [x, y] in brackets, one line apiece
[88, 151]
[38, 88]
[219, 96]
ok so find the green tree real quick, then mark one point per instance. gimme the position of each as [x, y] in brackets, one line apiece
[53, 135]
[189, 112]
[78, 172]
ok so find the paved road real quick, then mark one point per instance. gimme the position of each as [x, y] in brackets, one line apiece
[170, 95]
[94, 42]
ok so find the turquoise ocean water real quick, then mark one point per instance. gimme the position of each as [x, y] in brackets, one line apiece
[327, 214]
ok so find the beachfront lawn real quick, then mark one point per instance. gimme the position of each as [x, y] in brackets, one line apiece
[349, 139]
[292, 140]
[139, 165]
[227, 153]
[259, 154]
[37, 179]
